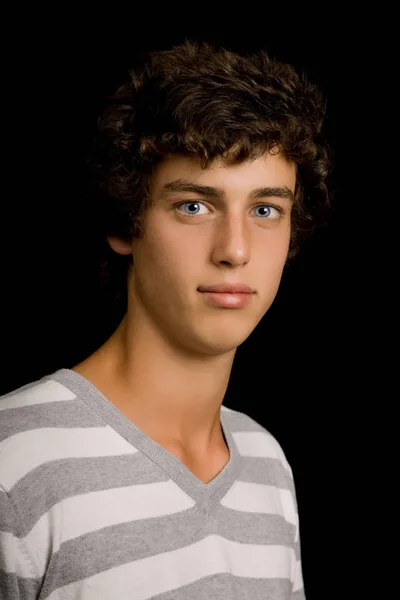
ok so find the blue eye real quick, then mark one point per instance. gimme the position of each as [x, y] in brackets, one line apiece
[268, 212]
[193, 209]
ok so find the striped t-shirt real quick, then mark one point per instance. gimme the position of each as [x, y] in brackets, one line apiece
[91, 508]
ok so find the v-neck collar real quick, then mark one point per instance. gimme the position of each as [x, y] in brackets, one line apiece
[206, 495]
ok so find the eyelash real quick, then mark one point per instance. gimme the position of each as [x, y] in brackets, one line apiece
[277, 208]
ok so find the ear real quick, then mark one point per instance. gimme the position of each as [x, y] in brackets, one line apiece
[119, 245]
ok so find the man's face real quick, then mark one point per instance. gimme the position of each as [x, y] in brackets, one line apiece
[223, 225]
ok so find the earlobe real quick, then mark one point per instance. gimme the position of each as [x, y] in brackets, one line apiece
[119, 245]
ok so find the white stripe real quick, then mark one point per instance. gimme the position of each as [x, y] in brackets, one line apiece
[259, 444]
[169, 571]
[79, 515]
[260, 498]
[288, 506]
[14, 557]
[298, 578]
[30, 449]
[49, 391]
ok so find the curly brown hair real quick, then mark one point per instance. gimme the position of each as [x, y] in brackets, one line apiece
[208, 102]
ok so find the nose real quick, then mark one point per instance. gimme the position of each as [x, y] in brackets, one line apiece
[232, 243]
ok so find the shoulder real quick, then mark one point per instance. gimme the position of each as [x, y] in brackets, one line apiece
[39, 404]
[253, 439]
[39, 422]
[43, 390]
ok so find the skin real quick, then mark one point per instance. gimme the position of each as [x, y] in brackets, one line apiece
[168, 364]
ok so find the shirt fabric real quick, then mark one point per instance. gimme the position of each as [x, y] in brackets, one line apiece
[92, 508]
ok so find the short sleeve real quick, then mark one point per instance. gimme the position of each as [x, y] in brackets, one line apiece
[298, 592]
[18, 578]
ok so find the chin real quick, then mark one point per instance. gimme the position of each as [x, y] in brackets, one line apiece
[221, 343]
[216, 349]
[216, 336]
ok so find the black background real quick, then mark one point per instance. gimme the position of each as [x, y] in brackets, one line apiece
[303, 372]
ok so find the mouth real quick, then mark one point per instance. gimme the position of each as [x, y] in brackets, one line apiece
[227, 299]
[227, 288]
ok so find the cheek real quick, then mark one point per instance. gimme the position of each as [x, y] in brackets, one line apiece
[164, 261]
[281, 242]
[180, 244]
[274, 246]
[271, 260]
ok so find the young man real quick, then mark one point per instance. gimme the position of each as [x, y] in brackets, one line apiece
[124, 476]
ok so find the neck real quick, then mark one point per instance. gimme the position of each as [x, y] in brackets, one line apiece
[173, 396]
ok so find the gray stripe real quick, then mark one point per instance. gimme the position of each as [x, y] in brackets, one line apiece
[225, 587]
[268, 471]
[12, 587]
[54, 481]
[121, 544]
[74, 476]
[9, 523]
[68, 413]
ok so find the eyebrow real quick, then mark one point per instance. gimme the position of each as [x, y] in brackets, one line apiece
[183, 185]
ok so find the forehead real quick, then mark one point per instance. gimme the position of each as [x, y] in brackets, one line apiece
[272, 170]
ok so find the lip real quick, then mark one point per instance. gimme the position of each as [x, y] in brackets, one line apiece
[227, 300]
[227, 295]
[227, 288]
